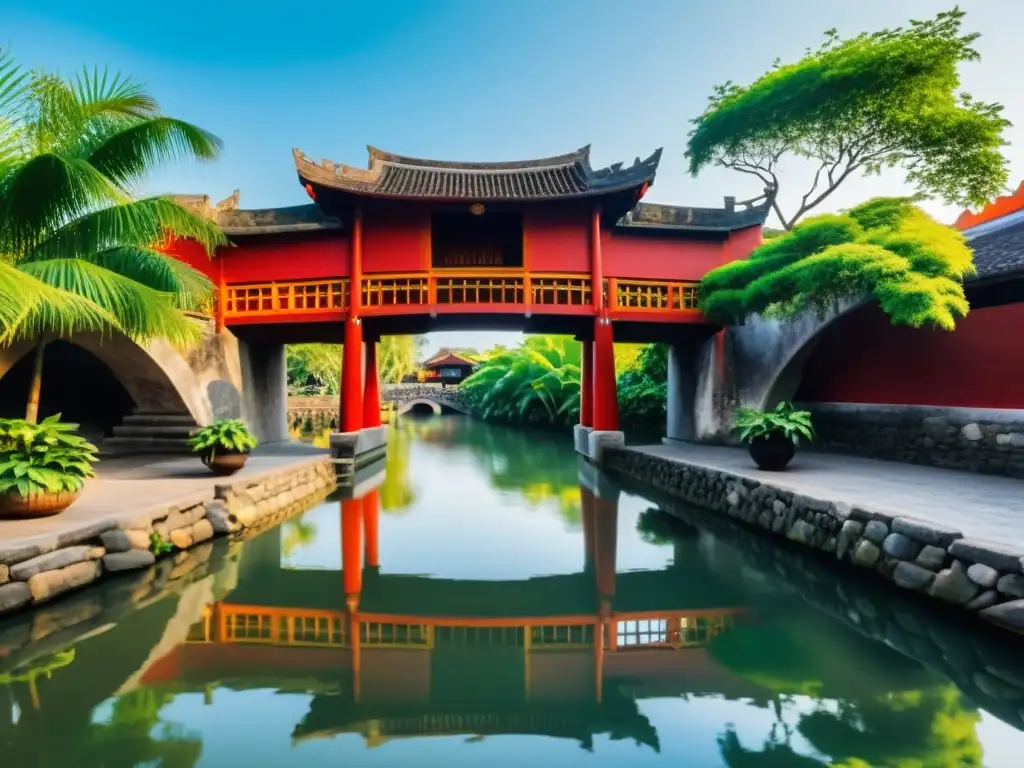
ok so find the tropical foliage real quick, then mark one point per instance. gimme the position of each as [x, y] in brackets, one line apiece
[887, 249]
[315, 369]
[49, 457]
[643, 388]
[78, 249]
[890, 99]
[223, 435]
[784, 420]
[536, 383]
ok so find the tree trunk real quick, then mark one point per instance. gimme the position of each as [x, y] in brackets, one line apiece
[36, 386]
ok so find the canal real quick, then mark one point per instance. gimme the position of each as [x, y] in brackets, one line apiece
[486, 604]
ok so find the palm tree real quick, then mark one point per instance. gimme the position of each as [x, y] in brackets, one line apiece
[73, 234]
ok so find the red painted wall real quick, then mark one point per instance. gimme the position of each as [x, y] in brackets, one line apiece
[557, 241]
[660, 259]
[742, 242]
[275, 257]
[396, 238]
[864, 359]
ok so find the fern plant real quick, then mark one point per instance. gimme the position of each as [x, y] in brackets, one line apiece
[785, 420]
[49, 457]
[230, 435]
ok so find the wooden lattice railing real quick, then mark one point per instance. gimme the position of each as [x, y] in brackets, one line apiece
[497, 290]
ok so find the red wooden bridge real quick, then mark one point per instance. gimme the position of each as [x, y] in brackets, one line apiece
[409, 246]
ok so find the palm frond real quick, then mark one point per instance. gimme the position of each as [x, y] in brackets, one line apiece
[30, 308]
[44, 193]
[127, 155]
[141, 312]
[100, 93]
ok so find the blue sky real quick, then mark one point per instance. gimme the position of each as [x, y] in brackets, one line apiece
[472, 79]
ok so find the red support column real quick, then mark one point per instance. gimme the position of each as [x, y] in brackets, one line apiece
[371, 389]
[589, 527]
[606, 396]
[606, 519]
[371, 526]
[351, 417]
[587, 384]
[352, 549]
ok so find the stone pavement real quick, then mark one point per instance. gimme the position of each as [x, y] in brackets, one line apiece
[982, 506]
[127, 488]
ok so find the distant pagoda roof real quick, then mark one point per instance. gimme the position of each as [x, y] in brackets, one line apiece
[446, 357]
[259, 221]
[550, 178]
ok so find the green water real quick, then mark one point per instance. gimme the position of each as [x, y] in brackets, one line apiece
[512, 620]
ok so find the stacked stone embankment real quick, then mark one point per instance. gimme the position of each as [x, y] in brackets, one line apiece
[981, 577]
[35, 572]
[981, 664]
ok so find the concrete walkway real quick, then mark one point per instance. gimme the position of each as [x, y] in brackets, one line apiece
[982, 506]
[127, 488]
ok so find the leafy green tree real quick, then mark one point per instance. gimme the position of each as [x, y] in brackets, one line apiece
[886, 249]
[317, 367]
[643, 388]
[890, 99]
[72, 233]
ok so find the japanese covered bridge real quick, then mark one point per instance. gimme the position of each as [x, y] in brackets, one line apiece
[409, 246]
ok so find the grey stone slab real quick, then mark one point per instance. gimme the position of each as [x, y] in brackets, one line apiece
[983, 575]
[926, 532]
[876, 531]
[14, 596]
[930, 557]
[901, 547]
[129, 561]
[1009, 615]
[1002, 557]
[50, 562]
[910, 576]
[953, 586]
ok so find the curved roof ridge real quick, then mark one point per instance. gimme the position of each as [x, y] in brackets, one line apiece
[379, 156]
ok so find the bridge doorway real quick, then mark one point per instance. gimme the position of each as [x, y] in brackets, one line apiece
[480, 239]
[76, 384]
[421, 408]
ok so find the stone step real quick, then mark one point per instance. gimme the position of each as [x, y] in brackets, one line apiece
[159, 420]
[123, 446]
[179, 431]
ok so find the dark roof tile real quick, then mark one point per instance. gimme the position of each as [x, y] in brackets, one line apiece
[998, 252]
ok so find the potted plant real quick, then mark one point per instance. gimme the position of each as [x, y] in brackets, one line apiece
[224, 445]
[43, 467]
[772, 436]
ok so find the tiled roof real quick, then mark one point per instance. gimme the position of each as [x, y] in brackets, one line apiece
[563, 176]
[666, 218]
[998, 252]
[258, 221]
[447, 358]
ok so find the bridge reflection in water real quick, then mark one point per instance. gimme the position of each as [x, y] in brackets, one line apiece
[395, 655]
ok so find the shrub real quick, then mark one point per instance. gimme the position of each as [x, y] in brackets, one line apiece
[225, 434]
[784, 420]
[49, 457]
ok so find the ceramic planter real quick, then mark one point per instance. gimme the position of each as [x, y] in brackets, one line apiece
[13, 504]
[773, 452]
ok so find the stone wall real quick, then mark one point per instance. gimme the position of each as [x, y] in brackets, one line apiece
[980, 577]
[36, 573]
[980, 663]
[982, 440]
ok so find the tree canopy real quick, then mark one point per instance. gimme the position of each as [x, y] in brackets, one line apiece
[889, 99]
[887, 248]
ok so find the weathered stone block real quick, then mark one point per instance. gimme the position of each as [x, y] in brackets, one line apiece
[983, 575]
[14, 596]
[926, 532]
[202, 531]
[972, 432]
[876, 531]
[52, 583]
[999, 556]
[49, 562]
[901, 547]
[1012, 584]
[129, 561]
[1008, 615]
[866, 554]
[953, 586]
[984, 600]
[182, 538]
[123, 541]
[931, 557]
[910, 576]
[20, 552]
[5, 574]
[801, 532]
[850, 532]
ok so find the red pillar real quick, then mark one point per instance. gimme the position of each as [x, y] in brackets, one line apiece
[371, 524]
[606, 396]
[352, 549]
[371, 388]
[587, 384]
[589, 527]
[352, 377]
[606, 519]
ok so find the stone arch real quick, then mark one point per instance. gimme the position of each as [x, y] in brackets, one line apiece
[420, 405]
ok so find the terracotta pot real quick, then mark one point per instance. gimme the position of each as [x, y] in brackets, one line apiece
[772, 453]
[225, 462]
[13, 504]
